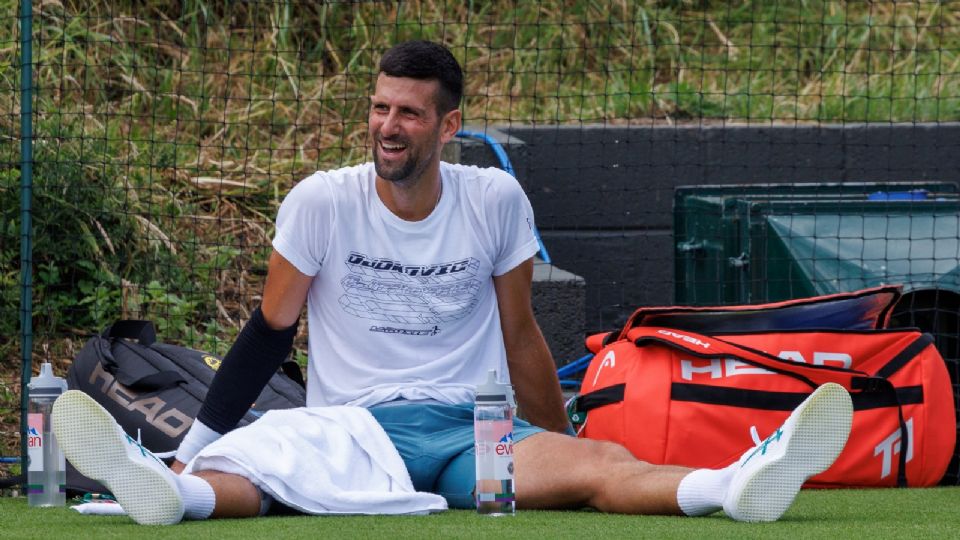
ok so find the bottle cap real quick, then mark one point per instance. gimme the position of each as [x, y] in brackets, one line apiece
[46, 383]
[492, 391]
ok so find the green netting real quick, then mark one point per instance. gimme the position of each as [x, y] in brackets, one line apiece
[165, 135]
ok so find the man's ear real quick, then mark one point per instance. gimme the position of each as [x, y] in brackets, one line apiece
[450, 125]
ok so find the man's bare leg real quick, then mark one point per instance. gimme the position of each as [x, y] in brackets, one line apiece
[236, 496]
[150, 492]
[559, 471]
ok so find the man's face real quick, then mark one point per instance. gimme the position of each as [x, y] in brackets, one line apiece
[405, 128]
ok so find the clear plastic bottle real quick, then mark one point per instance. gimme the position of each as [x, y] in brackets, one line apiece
[493, 432]
[46, 468]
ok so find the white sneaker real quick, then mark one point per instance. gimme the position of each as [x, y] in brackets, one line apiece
[99, 448]
[770, 474]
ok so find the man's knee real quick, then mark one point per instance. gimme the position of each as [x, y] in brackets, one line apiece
[608, 453]
[612, 452]
[559, 471]
[586, 456]
[236, 496]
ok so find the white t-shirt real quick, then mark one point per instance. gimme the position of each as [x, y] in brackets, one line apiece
[401, 309]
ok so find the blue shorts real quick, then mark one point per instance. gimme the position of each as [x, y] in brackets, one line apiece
[436, 443]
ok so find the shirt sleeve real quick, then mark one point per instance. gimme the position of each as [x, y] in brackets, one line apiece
[513, 225]
[304, 224]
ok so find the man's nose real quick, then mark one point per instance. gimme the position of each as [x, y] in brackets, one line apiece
[390, 125]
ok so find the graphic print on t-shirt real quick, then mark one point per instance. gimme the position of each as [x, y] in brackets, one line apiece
[390, 291]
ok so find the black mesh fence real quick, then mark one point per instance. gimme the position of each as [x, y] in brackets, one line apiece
[674, 151]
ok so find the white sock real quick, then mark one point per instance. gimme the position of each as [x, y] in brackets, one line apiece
[701, 492]
[198, 496]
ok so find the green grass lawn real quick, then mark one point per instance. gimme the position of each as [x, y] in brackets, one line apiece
[890, 513]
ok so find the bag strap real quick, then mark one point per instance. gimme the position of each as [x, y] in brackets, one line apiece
[898, 361]
[142, 331]
[710, 347]
[134, 377]
[908, 353]
[598, 398]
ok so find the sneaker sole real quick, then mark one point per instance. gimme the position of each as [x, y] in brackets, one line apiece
[90, 440]
[819, 435]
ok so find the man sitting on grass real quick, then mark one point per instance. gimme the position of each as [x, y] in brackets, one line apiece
[417, 278]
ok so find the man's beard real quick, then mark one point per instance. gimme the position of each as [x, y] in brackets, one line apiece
[408, 170]
[398, 173]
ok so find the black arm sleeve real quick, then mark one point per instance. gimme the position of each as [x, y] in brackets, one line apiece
[245, 370]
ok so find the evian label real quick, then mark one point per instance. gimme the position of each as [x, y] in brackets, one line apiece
[35, 441]
[494, 446]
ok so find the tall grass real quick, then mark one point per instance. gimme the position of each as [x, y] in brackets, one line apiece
[168, 132]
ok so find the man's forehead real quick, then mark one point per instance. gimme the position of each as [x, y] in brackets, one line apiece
[407, 91]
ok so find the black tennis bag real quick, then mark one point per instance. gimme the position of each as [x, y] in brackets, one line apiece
[155, 390]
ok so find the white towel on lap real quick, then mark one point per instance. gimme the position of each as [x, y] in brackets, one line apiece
[320, 460]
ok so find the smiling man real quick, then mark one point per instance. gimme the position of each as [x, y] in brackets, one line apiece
[417, 277]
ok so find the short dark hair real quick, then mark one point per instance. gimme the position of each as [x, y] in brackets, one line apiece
[426, 60]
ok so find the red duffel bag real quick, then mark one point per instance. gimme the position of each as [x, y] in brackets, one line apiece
[678, 397]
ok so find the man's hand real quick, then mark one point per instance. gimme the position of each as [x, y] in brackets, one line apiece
[177, 466]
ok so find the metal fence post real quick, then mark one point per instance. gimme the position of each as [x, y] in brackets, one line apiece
[26, 225]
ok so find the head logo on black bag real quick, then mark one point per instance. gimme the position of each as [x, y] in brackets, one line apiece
[155, 390]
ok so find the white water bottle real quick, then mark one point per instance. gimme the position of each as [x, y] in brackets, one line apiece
[493, 437]
[46, 468]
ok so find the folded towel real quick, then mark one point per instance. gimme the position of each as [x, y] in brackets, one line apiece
[100, 508]
[320, 460]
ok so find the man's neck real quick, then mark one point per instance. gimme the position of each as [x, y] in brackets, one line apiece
[411, 200]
